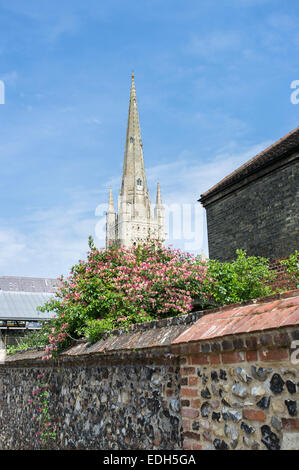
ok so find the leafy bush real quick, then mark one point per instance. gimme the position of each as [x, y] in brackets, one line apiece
[117, 287]
[243, 279]
[33, 339]
[292, 267]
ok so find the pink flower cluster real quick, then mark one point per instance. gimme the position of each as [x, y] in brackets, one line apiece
[55, 338]
[157, 281]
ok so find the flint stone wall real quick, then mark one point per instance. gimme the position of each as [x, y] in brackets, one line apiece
[95, 407]
[121, 393]
[239, 401]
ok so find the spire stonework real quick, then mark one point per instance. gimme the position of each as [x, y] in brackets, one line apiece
[134, 222]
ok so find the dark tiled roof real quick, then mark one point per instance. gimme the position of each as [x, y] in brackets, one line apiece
[27, 284]
[283, 147]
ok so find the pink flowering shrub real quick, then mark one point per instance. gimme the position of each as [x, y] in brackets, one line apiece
[117, 287]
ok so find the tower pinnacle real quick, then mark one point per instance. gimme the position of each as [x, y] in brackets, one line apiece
[158, 196]
[111, 202]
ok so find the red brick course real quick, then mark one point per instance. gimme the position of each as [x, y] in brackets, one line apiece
[254, 415]
[231, 357]
[215, 359]
[187, 370]
[200, 359]
[189, 392]
[289, 424]
[251, 356]
[195, 403]
[189, 413]
[193, 381]
[274, 355]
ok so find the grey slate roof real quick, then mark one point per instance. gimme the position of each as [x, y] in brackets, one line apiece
[27, 284]
[22, 305]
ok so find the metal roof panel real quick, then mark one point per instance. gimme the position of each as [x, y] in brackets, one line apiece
[23, 305]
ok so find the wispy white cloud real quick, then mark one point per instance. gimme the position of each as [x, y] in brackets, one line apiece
[282, 21]
[220, 121]
[187, 177]
[55, 241]
[67, 24]
[12, 247]
[215, 43]
[201, 83]
[93, 120]
[56, 238]
[9, 78]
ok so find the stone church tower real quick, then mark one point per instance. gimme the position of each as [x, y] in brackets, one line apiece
[134, 223]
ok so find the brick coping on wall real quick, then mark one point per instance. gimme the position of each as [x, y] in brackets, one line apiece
[278, 311]
[224, 327]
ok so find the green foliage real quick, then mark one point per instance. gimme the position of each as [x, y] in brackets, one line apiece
[95, 328]
[243, 279]
[292, 267]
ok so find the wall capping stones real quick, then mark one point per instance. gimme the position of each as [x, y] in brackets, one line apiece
[257, 343]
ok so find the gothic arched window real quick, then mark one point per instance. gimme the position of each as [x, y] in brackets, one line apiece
[139, 183]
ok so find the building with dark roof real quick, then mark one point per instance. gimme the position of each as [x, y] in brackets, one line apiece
[27, 284]
[255, 208]
[19, 299]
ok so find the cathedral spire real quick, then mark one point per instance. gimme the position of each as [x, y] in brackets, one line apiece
[133, 223]
[133, 170]
[111, 203]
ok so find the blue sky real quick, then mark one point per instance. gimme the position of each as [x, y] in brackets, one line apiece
[213, 86]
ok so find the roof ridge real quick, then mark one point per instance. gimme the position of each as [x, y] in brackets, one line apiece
[249, 162]
[26, 292]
